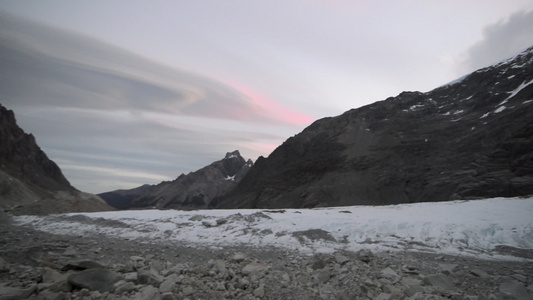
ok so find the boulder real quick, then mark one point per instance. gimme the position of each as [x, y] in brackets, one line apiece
[13, 293]
[254, 268]
[514, 289]
[101, 280]
[149, 276]
[441, 282]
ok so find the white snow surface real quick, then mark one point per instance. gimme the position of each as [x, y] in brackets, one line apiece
[500, 109]
[471, 228]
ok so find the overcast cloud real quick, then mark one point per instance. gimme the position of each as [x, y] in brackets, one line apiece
[501, 39]
[125, 93]
[105, 111]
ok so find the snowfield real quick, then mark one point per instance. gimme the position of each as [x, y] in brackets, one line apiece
[459, 227]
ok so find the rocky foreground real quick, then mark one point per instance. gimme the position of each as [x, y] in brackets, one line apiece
[37, 265]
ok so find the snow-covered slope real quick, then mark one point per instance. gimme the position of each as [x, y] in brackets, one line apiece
[459, 227]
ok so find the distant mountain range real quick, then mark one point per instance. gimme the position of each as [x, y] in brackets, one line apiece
[469, 139]
[30, 183]
[194, 190]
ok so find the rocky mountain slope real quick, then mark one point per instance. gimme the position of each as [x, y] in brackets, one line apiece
[29, 181]
[121, 199]
[194, 190]
[468, 139]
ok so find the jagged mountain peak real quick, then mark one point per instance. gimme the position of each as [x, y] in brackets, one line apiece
[196, 189]
[468, 139]
[235, 154]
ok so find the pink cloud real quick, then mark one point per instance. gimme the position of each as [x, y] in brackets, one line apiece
[272, 109]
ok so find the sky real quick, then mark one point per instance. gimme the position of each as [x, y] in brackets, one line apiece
[123, 93]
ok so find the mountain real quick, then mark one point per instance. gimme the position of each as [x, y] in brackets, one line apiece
[122, 199]
[29, 181]
[469, 139]
[194, 190]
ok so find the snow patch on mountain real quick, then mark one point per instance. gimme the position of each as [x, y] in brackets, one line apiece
[518, 89]
[500, 109]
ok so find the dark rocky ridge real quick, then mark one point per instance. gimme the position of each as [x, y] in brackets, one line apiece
[30, 182]
[465, 140]
[21, 157]
[194, 190]
[122, 199]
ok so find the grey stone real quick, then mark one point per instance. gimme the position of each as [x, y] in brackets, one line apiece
[441, 282]
[319, 264]
[383, 296]
[410, 281]
[389, 273]
[365, 255]
[410, 270]
[327, 289]
[519, 277]
[448, 268]
[167, 296]
[254, 268]
[514, 289]
[130, 276]
[259, 292]
[84, 293]
[49, 295]
[50, 275]
[124, 287]
[187, 291]
[149, 293]
[411, 290]
[479, 273]
[220, 267]
[178, 269]
[82, 265]
[208, 224]
[395, 292]
[137, 262]
[70, 251]
[12, 293]
[149, 276]
[3, 265]
[196, 218]
[242, 283]
[61, 285]
[95, 279]
[96, 295]
[220, 286]
[167, 285]
[238, 257]
[341, 259]
[323, 275]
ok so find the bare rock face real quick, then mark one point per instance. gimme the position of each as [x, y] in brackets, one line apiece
[195, 190]
[21, 157]
[465, 140]
[31, 183]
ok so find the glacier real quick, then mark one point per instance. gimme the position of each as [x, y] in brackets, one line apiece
[470, 228]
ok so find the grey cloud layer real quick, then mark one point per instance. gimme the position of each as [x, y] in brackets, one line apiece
[69, 70]
[501, 40]
[112, 119]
